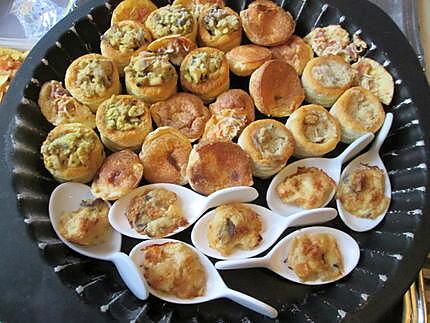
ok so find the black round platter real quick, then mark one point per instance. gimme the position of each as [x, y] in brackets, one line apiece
[391, 254]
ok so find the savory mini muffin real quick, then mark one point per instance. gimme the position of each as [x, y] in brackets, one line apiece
[295, 52]
[219, 27]
[362, 192]
[216, 165]
[315, 131]
[151, 77]
[175, 269]
[205, 72]
[172, 20]
[315, 256]
[174, 46]
[122, 40]
[123, 122]
[267, 24]
[276, 89]
[88, 225]
[72, 152]
[91, 79]
[119, 174]
[236, 101]
[59, 107]
[374, 77]
[269, 144]
[326, 78]
[245, 59]
[164, 155]
[308, 187]
[358, 112]
[233, 227]
[223, 126]
[137, 10]
[155, 212]
[183, 111]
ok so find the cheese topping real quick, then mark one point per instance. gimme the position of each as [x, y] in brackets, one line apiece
[219, 21]
[94, 76]
[203, 66]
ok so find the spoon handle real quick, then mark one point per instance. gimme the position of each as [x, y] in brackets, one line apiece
[354, 148]
[237, 194]
[310, 217]
[383, 133]
[241, 263]
[251, 303]
[130, 275]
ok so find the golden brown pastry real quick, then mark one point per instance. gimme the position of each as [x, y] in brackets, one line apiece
[269, 144]
[197, 6]
[183, 111]
[216, 165]
[10, 62]
[164, 155]
[205, 72]
[176, 47]
[151, 77]
[223, 126]
[119, 174]
[276, 89]
[326, 78]
[59, 107]
[91, 79]
[137, 10]
[267, 24]
[72, 152]
[245, 59]
[316, 132]
[295, 52]
[219, 27]
[123, 40]
[237, 102]
[123, 122]
[358, 112]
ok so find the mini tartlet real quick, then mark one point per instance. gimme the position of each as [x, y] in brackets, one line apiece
[197, 6]
[245, 59]
[174, 46]
[137, 10]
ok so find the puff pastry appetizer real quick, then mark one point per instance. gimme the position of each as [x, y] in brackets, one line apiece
[59, 107]
[197, 6]
[91, 79]
[315, 131]
[245, 59]
[164, 156]
[176, 47]
[137, 10]
[119, 174]
[358, 112]
[269, 144]
[326, 78]
[276, 89]
[72, 152]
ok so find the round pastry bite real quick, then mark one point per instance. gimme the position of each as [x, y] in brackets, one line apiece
[245, 59]
[269, 144]
[276, 89]
[183, 111]
[267, 24]
[374, 77]
[72, 152]
[219, 27]
[326, 78]
[164, 156]
[122, 40]
[295, 52]
[205, 73]
[59, 107]
[137, 10]
[123, 122]
[172, 20]
[176, 47]
[216, 165]
[151, 77]
[236, 101]
[358, 112]
[223, 126]
[119, 174]
[197, 6]
[315, 131]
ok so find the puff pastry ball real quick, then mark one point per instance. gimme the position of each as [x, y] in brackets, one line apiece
[245, 59]
[216, 165]
[276, 89]
[358, 112]
[269, 144]
[315, 131]
[325, 78]
[72, 152]
[164, 156]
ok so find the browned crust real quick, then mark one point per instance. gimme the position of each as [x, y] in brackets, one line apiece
[245, 59]
[236, 100]
[137, 10]
[159, 46]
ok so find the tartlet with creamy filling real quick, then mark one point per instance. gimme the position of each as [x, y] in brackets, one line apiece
[137, 10]
[174, 46]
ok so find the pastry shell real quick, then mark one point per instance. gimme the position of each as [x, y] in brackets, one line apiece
[237, 101]
[245, 59]
[196, 6]
[176, 47]
[137, 10]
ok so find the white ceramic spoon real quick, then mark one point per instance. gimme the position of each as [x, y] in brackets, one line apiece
[215, 286]
[272, 227]
[275, 260]
[67, 197]
[331, 166]
[193, 205]
[371, 158]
